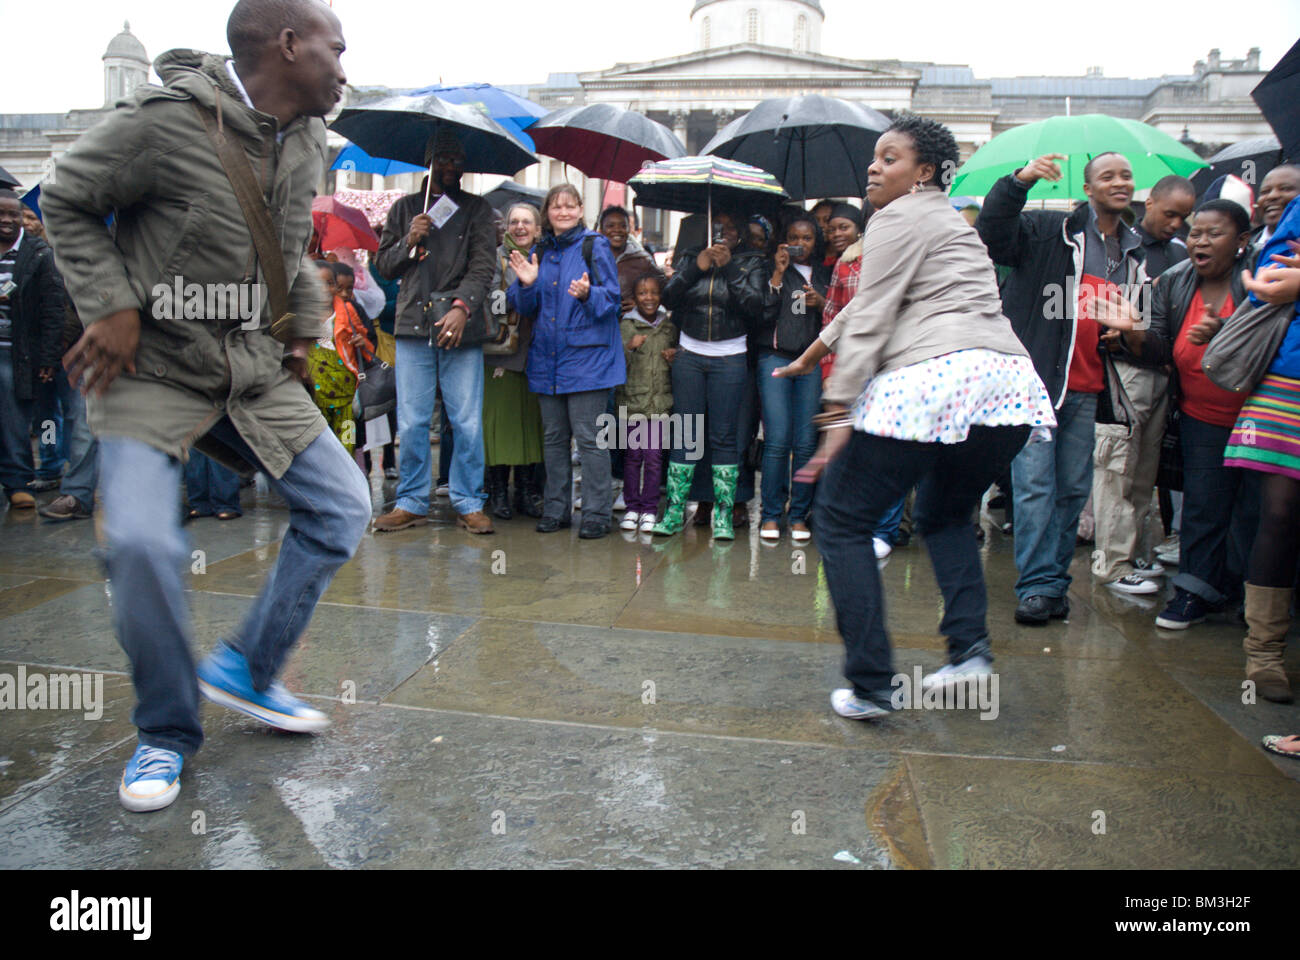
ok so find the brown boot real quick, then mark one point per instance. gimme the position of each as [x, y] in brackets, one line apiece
[398, 519]
[21, 500]
[476, 522]
[1268, 615]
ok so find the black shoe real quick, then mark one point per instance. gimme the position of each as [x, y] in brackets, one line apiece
[704, 515]
[593, 530]
[550, 525]
[534, 500]
[1039, 610]
[498, 479]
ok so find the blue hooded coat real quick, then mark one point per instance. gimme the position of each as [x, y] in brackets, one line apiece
[1287, 363]
[576, 344]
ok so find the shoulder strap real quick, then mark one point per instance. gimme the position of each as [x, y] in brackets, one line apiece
[258, 218]
[589, 244]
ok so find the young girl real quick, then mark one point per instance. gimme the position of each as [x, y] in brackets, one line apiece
[333, 359]
[649, 345]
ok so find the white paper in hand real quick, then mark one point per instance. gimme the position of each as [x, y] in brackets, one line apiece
[442, 211]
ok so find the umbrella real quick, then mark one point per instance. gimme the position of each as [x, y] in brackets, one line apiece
[338, 225]
[511, 111]
[1277, 96]
[604, 141]
[695, 184]
[1251, 160]
[353, 157]
[817, 146]
[510, 192]
[1153, 154]
[399, 128]
[8, 180]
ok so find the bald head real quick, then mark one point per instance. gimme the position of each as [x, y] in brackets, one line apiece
[255, 26]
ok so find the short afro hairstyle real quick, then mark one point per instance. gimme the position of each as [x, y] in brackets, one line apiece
[933, 143]
[1087, 167]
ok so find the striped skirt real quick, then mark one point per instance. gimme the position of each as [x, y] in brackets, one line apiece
[1267, 433]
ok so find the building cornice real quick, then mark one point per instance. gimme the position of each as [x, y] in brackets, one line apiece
[638, 70]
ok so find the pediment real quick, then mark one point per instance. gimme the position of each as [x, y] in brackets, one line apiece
[750, 59]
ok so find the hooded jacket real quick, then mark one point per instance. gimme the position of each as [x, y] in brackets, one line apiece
[1044, 248]
[180, 228]
[576, 344]
[649, 387]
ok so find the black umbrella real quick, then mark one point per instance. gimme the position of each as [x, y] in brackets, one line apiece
[1277, 96]
[7, 179]
[604, 141]
[399, 128]
[511, 192]
[817, 146]
[1251, 160]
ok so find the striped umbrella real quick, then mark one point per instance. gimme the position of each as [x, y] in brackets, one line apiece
[696, 184]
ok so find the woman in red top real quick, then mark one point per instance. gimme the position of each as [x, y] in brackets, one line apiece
[1220, 504]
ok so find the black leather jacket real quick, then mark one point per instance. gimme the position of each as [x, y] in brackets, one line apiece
[1170, 297]
[717, 304]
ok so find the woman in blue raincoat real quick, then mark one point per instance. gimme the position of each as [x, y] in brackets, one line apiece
[569, 286]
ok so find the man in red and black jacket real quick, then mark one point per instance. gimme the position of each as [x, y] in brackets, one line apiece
[1055, 258]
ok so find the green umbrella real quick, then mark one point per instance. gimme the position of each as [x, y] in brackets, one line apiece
[1153, 154]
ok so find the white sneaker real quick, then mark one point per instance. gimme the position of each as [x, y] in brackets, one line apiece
[770, 533]
[1133, 583]
[620, 504]
[846, 704]
[577, 503]
[1170, 549]
[648, 522]
[443, 490]
[883, 548]
[630, 520]
[1149, 568]
[952, 675]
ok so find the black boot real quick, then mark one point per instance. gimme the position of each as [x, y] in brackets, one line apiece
[534, 495]
[517, 501]
[498, 498]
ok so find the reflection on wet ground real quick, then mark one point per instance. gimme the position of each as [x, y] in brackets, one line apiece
[522, 700]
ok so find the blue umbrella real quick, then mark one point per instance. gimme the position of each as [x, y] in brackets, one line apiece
[353, 157]
[512, 111]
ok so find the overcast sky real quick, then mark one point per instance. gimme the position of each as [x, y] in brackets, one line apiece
[57, 67]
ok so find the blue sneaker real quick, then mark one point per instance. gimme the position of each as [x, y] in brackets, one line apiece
[847, 704]
[151, 780]
[224, 678]
[1184, 610]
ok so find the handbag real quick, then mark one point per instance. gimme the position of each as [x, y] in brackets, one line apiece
[1169, 474]
[506, 342]
[376, 384]
[1239, 355]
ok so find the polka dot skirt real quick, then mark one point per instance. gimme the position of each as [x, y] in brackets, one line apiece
[940, 399]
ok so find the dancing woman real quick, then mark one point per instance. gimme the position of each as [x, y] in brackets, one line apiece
[930, 388]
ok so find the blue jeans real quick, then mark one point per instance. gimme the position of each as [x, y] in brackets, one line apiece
[421, 369]
[712, 389]
[868, 477]
[54, 456]
[77, 442]
[16, 466]
[1052, 480]
[211, 488]
[1220, 516]
[789, 406]
[329, 509]
[887, 528]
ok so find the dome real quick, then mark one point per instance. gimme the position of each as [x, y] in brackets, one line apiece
[815, 4]
[126, 46]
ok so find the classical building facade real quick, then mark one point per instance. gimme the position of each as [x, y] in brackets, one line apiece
[745, 51]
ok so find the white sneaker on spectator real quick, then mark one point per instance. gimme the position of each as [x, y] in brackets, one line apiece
[443, 490]
[883, 548]
[630, 520]
[619, 503]
[648, 522]
[1148, 568]
[1133, 583]
[1170, 549]
[951, 675]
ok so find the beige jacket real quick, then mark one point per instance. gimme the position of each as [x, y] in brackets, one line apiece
[927, 288]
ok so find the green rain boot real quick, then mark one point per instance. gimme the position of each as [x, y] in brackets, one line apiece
[679, 484]
[724, 498]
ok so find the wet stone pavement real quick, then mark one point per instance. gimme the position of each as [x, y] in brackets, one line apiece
[521, 700]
